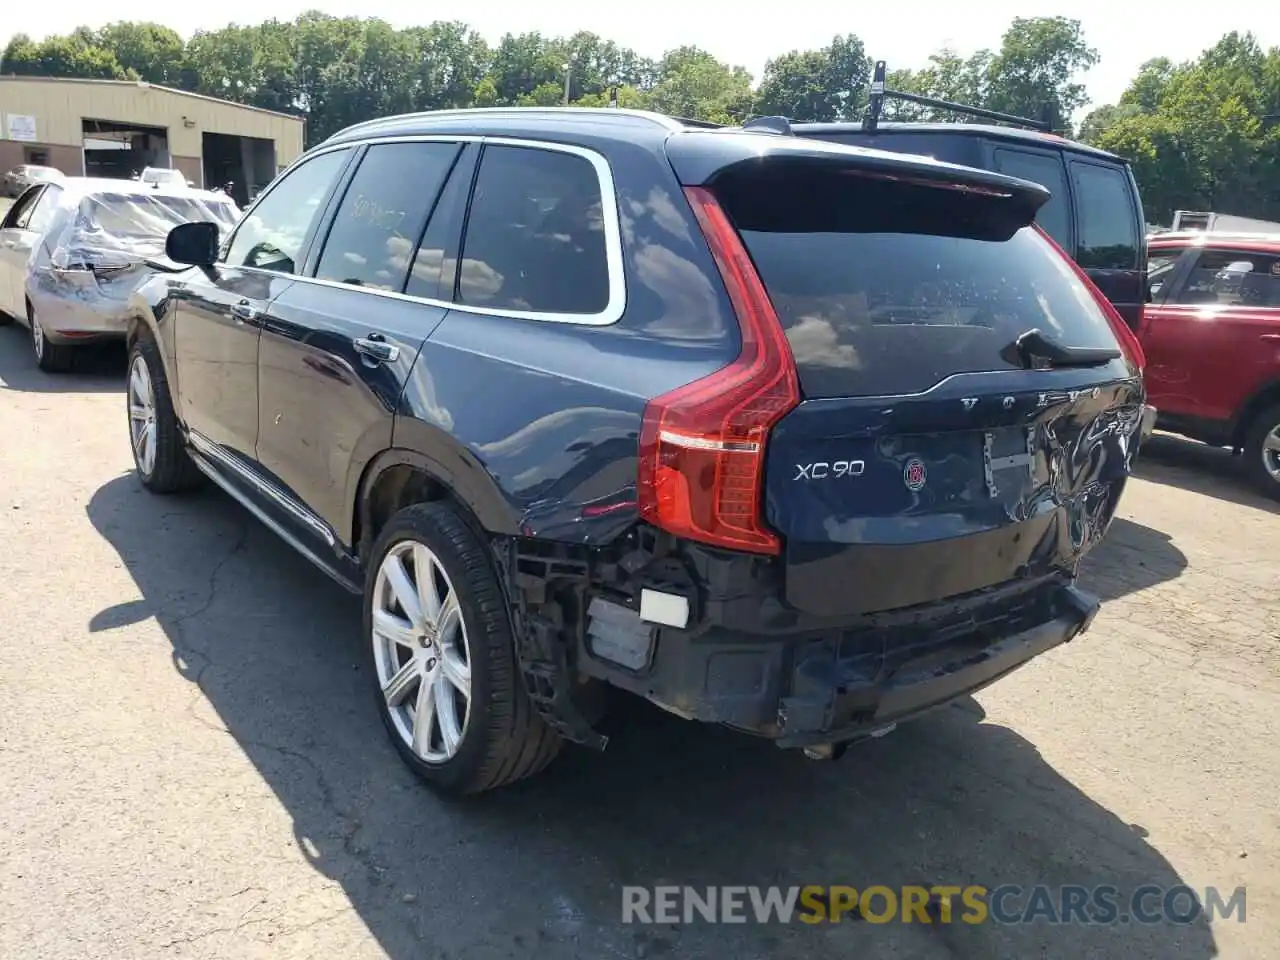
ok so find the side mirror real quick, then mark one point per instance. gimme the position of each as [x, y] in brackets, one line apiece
[193, 243]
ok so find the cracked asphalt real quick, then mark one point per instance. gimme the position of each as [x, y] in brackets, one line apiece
[191, 764]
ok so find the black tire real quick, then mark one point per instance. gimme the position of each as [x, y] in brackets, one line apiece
[50, 357]
[1255, 457]
[504, 739]
[173, 470]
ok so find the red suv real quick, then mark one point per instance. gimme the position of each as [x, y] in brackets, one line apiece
[1211, 334]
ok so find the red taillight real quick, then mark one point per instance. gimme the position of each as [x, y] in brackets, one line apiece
[1129, 341]
[702, 446]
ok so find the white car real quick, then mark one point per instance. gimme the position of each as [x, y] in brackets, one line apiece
[72, 252]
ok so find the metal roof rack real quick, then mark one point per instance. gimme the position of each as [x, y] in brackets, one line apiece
[879, 92]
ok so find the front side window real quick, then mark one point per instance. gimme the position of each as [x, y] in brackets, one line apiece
[383, 213]
[1046, 170]
[1227, 278]
[1108, 222]
[535, 239]
[1160, 267]
[272, 235]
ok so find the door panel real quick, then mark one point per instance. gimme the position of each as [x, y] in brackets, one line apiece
[219, 314]
[326, 408]
[1209, 344]
[15, 248]
[218, 324]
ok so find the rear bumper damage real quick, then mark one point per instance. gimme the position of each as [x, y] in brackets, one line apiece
[836, 685]
[1149, 414]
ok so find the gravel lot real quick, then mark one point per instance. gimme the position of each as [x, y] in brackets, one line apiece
[192, 766]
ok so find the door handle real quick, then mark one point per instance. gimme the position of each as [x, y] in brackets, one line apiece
[377, 349]
[1270, 336]
[245, 312]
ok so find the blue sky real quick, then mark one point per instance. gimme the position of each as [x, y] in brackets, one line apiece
[745, 33]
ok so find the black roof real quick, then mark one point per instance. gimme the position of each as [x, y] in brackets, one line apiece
[1014, 134]
[697, 153]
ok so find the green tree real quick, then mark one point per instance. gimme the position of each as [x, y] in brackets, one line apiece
[817, 85]
[76, 55]
[1036, 67]
[147, 50]
[452, 60]
[696, 85]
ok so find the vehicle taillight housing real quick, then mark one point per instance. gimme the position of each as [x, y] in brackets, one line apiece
[1129, 341]
[702, 446]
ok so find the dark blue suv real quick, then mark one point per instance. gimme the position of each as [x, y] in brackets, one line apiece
[791, 436]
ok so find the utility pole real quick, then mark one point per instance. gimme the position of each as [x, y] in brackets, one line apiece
[568, 72]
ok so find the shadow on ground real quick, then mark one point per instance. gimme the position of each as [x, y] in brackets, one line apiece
[537, 870]
[1132, 557]
[98, 369]
[1198, 468]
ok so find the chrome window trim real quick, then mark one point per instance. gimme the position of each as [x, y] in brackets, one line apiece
[617, 303]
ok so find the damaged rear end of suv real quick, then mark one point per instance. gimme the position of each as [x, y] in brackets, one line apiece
[881, 505]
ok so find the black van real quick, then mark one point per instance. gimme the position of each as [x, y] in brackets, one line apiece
[1094, 213]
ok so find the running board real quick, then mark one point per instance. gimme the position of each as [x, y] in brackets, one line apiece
[212, 472]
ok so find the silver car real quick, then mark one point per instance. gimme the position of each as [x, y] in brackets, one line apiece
[72, 252]
[20, 178]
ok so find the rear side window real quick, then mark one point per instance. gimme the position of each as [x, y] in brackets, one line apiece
[1226, 278]
[19, 215]
[535, 239]
[272, 235]
[1048, 171]
[42, 213]
[1107, 217]
[887, 288]
[383, 213]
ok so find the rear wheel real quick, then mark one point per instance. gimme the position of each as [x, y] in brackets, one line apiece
[50, 357]
[1262, 451]
[439, 647]
[154, 435]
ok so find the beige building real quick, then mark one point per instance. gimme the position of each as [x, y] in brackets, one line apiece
[114, 128]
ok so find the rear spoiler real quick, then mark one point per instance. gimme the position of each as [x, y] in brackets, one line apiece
[700, 157]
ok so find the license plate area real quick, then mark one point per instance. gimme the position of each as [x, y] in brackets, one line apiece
[1009, 463]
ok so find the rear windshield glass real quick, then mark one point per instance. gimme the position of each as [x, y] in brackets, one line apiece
[142, 215]
[898, 310]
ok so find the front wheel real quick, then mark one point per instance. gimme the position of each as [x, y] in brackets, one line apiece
[439, 647]
[1262, 451]
[154, 434]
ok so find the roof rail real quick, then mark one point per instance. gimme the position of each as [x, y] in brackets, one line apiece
[690, 122]
[778, 125]
[879, 92]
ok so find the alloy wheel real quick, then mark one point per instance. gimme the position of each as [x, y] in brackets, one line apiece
[142, 415]
[1271, 453]
[420, 651]
[37, 336]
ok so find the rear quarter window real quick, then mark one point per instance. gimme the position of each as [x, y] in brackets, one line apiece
[1107, 215]
[1047, 170]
